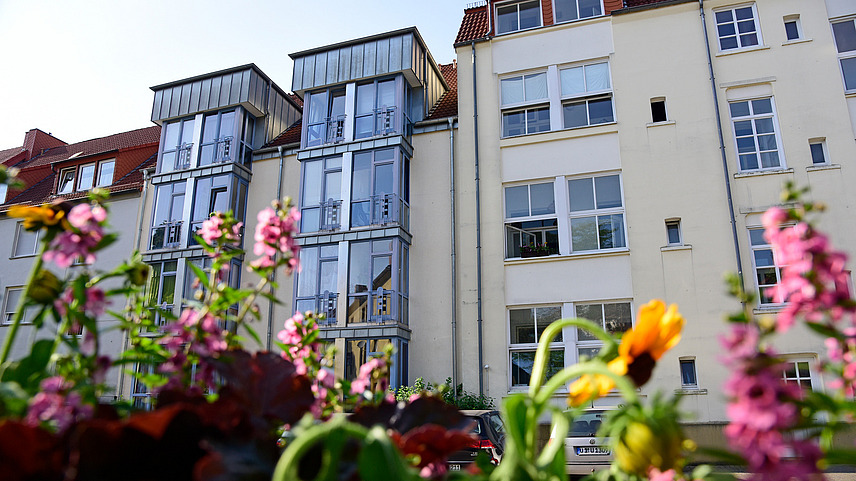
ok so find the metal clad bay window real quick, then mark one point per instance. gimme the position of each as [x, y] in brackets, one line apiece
[177, 145]
[737, 28]
[597, 213]
[756, 134]
[376, 290]
[525, 110]
[845, 42]
[321, 195]
[586, 95]
[526, 326]
[317, 281]
[518, 16]
[567, 10]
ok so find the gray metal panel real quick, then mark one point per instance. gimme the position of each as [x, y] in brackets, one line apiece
[395, 54]
[184, 104]
[407, 51]
[205, 94]
[225, 88]
[156, 106]
[195, 89]
[245, 88]
[332, 67]
[257, 86]
[370, 59]
[214, 98]
[308, 71]
[382, 58]
[235, 92]
[320, 68]
[175, 93]
[356, 61]
[344, 64]
[297, 75]
[167, 98]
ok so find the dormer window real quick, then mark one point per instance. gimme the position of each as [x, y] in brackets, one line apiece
[66, 181]
[87, 177]
[105, 173]
[518, 16]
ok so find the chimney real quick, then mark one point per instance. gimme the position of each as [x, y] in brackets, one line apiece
[36, 142]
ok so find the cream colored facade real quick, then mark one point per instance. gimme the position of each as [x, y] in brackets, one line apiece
[670, 170]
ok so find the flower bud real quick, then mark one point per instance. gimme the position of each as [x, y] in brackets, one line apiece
[45, 288]
[138, 274]
[642, 447]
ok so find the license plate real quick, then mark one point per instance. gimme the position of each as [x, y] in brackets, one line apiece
[454, 467]
[591, 450]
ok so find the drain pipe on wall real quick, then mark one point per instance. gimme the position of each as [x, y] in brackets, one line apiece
[273, 275]
[721, 146]
[478, 225]
[454, 259]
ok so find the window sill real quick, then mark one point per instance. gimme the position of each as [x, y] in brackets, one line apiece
[796, 41]
[25, 256]
[742, 50]
[818, 167]
[742, 175]
[683, 247]
[657, 124]
[576, 255]
[850, 95]
[768, 309]
[691, 391]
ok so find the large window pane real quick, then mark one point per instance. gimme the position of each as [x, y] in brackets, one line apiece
[538, 120]
[517, 201]
[522, 324]
[848, 68]
[383, 179]
[530, 15]
[507, 19]
[611, 231]
[584, 234]
[597, 77]
[575, 115]
[536, 86]
[600, 111]
[581, 194]
[573, 81]
[513, 123]
[359, 278]
[845, 35]
[542, 199]
[361, 187]
[565, 10]
[307, 278]
[608, 191]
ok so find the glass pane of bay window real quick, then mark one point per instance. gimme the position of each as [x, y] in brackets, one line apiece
[312, 182]
[307, 279]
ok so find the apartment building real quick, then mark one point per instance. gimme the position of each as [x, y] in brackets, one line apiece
[625, 151]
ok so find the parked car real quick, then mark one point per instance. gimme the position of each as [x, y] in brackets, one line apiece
[585, 452]
[490, 431]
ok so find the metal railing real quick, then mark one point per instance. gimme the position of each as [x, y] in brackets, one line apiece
[385, 120]
[182, 156]
[331, 215]
[335, 129]
[223, 150]
[389, 209]
[325, 303]
[166, 235]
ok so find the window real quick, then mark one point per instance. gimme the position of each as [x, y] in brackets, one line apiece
[518, 116]
[105, 173]
[586, 95]
[321, 195]
[10, 304]
[526, 326]
[673, 232]
[169, 208]
[567, 10]
[218, 193]
[613, 317]
[597, 213]
[767, 272]
[518, 16]
[87, 177]
[326, 117]
[531, 228]
[3, 189]
[317, 281]
[359, 351]
[845, 41]
[756, 134]
[737, 28]
[66, 181]
[161, 289]
[818, 151]
[798, 371]
[658, 110]
[375, 112]
[378, 281]
[688, 374]
[26, 242]
[177, 145]
[217, 134]
[379, 188]
[793, 30]
[141, 396]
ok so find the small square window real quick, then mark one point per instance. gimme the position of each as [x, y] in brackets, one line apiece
[673, 232]
[688, 374]
[818, 151]
[792, 27]
[658, 110]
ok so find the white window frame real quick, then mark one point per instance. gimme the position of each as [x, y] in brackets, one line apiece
[577, 2]
[848, 56]
[19, 229]
[795, 19]
[813, 375]
[587, 96]
[72, 182]
[596, 343]
[9, 310]
[740, 46]
[597, 213]
[676, 223]
[513, 348]
[517, 3]
[821, 143]
[690, 360]
[530, 218]
[755, 245]
[526, 105]
[98, 180]
[753, 118]
[81, 188]
[655, 100]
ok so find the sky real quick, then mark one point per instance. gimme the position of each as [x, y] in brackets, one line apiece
[83, 69]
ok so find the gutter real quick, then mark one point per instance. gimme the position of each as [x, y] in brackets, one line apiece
[718, 117]
[453, 259]
[479, 320]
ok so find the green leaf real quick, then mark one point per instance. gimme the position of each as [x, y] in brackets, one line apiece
[845, 456]
[106, 241]
[724, 455]
[253, 334]
[825, 330]
[29, 371]
[13, 399]
[379, 458]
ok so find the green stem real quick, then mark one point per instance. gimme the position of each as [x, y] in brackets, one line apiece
[286, 467]
[627, 389]
[19, 310]
[539, 367]
[248, 302]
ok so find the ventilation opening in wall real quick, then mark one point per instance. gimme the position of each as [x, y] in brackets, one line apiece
[658, 109]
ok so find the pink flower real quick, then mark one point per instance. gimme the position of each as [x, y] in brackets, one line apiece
[655, 474]
[80, 242]
[275, 235]
[363, 382]
[215, 228]
[53, 406]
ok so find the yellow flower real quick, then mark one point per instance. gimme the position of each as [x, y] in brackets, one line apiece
[35, 218]
[657, 330]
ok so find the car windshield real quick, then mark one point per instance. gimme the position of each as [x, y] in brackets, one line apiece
[586, 423]
[496, 423]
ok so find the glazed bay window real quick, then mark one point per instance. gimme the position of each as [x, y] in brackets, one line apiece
[317, 281]
[737, 27]
[530, 221]
[326, 117]
[376, 111]
[219, 193]
[359, 351]
[525, 104]
[756, 134]
[177, 145]
[26, 242]
[597, 213]
[514, 16]
[526, 326]
[845, 42]
[161, 290]
[167, 220]
[321, 195]
[380, 188]
[586, 95]
[613, 317]
[378, 281]
[767, 272]
[218, 132]
[567, 10]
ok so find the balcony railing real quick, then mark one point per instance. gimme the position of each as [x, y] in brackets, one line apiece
[389, 209]
[166, 235]
[182, 156]
[331, 215]
[324, 303]
[197, 224]
[379, 306]
[335, 129]
[216, 151]
[385, 120]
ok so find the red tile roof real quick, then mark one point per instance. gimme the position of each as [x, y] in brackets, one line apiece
[296, 99]
[474, 24]
[134, 138]
[447, 106]
[290, 136]
[7, 154]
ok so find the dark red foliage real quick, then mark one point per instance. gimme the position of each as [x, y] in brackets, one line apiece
[29, 453]
[432, 443]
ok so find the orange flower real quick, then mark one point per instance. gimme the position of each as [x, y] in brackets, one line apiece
[35, 218]
[657, 330]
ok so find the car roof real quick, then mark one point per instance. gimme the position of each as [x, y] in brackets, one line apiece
[477, 412]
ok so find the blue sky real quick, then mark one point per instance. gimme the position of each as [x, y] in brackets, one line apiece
[82, 69]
